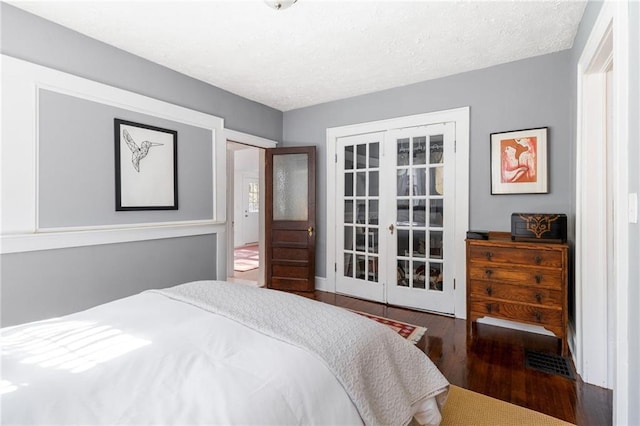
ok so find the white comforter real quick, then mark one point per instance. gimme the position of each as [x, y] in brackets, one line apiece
[149, 359]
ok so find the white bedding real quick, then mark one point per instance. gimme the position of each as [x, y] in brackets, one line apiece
[148, 359]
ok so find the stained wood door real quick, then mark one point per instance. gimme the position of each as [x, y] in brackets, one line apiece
[290, 199]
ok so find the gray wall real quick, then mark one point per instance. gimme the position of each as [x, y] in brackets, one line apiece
[519, 95]
[37, 285]
[77, 173]
[49, 283]
[29, 37]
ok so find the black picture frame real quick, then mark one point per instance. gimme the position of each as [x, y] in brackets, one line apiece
[146, 167]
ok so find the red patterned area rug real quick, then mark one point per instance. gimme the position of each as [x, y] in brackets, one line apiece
[412, 333]
[246, 258]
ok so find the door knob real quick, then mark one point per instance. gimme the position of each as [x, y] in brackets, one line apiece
[391, 228]
[310, 231]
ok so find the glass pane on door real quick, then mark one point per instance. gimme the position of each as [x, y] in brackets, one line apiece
[290, 187]
[361, 209]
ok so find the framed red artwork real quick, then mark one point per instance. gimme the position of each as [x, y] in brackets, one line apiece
[519, 162]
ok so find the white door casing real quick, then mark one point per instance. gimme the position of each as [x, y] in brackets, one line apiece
[607, 44]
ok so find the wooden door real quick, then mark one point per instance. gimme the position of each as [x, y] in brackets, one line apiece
[290, 199]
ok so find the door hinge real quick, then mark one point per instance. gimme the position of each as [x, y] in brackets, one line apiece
[455, 146]
[335, 267]
[336, 158]
[454, 283]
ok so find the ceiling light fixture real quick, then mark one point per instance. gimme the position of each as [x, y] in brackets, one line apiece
[279, 4]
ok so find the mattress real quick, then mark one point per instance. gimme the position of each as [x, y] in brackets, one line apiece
[152, 359]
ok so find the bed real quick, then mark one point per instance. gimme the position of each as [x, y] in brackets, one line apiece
[212, 352]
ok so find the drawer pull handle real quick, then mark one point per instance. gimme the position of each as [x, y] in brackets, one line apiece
[538, 278]
[538, 259]
[489, 307]
[489, 255]
[539, 297]
[489, 291]
[488, 273]
[538, 316]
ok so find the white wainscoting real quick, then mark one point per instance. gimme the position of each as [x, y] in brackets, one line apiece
[21, 230]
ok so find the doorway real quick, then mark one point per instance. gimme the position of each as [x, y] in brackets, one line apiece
[245, 224]
[245, 207]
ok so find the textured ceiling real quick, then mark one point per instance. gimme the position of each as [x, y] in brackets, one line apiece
[319, 51]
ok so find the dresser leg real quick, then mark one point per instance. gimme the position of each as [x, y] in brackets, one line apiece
[564, 347]
[470, 329]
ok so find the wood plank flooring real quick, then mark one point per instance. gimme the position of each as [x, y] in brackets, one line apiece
[492, 363]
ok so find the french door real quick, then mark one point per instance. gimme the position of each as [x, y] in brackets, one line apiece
[396, 198]
[359, 217]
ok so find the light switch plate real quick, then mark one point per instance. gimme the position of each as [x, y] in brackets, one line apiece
[633, 207]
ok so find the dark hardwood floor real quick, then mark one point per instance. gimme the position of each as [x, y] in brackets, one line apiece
[492, 363]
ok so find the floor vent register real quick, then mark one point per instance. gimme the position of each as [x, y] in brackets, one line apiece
[548, 363]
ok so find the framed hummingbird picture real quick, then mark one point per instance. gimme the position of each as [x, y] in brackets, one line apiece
[146, 167]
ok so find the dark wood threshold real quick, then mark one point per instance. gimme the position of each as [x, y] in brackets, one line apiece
[492, 363]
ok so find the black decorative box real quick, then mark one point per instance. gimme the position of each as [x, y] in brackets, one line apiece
[543, 227]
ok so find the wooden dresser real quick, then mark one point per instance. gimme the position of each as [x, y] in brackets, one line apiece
[518, 281]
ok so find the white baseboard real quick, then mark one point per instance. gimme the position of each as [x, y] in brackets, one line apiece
[322, 284]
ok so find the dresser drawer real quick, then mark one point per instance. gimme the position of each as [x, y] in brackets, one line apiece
[516, 293]
[534, 277]
[516, 312]
[534, 257]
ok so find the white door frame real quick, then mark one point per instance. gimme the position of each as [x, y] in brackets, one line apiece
[607, 42]
[258, 142]
[458, 115]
